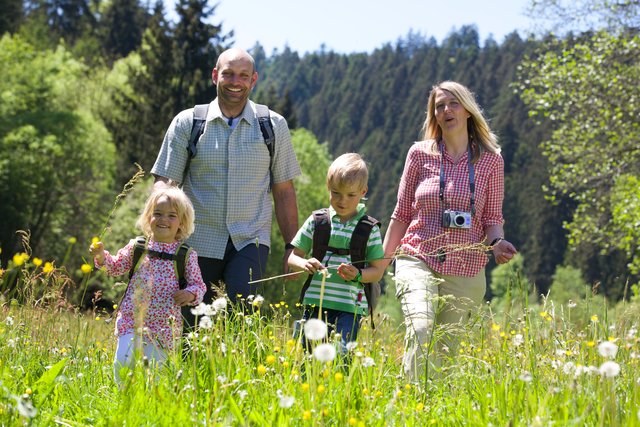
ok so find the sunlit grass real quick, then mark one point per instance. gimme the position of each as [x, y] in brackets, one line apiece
[535, 364]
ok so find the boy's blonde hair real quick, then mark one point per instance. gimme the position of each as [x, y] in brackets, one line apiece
[179, 201]
[348, 169]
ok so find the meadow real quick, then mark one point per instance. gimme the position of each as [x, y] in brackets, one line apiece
[522, 361]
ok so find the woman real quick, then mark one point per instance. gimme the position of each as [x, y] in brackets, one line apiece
[449, 209]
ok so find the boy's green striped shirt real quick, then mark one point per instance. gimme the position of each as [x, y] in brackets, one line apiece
[338, 294]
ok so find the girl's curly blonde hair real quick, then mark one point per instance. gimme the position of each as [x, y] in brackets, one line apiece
[179, 201]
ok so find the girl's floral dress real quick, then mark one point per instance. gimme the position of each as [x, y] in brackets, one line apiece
[148, 300]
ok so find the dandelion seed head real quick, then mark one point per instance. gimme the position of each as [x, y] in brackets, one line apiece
[609, 369]
[9, 321]
[367, 362]
[518, 340]
[324, 352]
[315, 329]
[205, 322]
[351, 345]
[607, 349]
[526, 377]
[286, 402]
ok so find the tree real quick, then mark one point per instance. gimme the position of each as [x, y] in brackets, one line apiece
[311, 194]
[593, 150]
[57, 160]
[11, 15]
[121, 27]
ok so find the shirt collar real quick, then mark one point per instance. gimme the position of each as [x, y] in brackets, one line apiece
[361, 210]
[248, 114]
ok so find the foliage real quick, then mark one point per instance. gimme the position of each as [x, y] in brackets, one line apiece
[593, 149]
[56, 157]
[311, 194]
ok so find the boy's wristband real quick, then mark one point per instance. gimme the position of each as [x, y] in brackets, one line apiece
[288, 246]
[358, 277]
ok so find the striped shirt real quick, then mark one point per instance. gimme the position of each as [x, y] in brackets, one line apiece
[229, 179]
[419, 206]
[338, 294]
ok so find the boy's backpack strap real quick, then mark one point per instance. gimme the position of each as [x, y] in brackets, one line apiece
[269, 136]
[180, 263]
[197, 129]
[139, 248]
[321, 235]
[358, 248]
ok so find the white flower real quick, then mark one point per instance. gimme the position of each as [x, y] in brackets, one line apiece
[286, 401]
[315, 329]
[572, 304]
[258, 301]
[609, 369]
[352, 345]
[205, 322]
[220, 304]
[368, 362]
[569, 368]
[526, 377]
[9, 320]
[324, 352]
[518, 340]
[608, 349]
[25, 408]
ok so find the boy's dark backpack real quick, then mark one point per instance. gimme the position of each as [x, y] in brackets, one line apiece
[200, 119]
[357, 250]
[179, 258]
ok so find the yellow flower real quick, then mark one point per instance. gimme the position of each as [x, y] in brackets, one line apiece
[28, 391]
[94, 240]
[86, 268]
[305, 386]
[19, 259]
[325, 373]
[306, 415]
[325, 412]
[399, 394]
[419, 407]
[338, 376]
[271, 359]
[286, 365]
[321, 389]
[37, 262]
[352, 421]
[48, 268]
[594, 318]
[72, 240]
[262, 370]
[407, 386]
[543, 314]
[591, 343]
[365, 391]
[495, 327]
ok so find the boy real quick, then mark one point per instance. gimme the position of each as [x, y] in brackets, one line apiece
[342, 300]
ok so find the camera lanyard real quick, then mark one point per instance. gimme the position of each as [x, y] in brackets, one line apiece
[472, 183]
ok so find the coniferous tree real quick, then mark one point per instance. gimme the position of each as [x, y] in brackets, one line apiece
[11, 16]
[121, 27]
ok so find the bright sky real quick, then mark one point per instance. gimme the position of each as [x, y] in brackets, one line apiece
[348, 26]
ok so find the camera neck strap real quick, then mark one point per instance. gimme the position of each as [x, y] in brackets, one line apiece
[472, 182]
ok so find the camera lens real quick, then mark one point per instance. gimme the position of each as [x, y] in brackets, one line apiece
[459, 220]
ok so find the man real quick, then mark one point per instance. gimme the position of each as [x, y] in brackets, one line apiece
[229, 181]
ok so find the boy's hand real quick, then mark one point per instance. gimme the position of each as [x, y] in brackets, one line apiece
[183, 297]
[96, 250]
[312, 265]
[348, 272]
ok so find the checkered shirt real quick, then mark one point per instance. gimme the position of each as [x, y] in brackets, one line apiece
[229, 180]
[419, 206]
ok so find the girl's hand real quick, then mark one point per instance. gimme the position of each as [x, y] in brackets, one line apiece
[96, 250]
[183, 297]
[348, 272]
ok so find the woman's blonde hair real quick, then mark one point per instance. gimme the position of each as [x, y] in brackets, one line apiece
[480, 135]
[179, 201]
[348, 169]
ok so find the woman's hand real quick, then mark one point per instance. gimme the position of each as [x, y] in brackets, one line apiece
[503, 251]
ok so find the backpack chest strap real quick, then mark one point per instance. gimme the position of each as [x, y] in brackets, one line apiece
[160, 255]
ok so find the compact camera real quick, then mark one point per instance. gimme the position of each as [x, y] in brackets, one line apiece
[456, 219]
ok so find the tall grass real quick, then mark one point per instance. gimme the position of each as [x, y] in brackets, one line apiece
[530, 364]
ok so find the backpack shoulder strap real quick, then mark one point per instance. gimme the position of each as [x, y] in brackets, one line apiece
[197, 129]
[359, 239]
[139, 248]
[180, 263]
[358, 249]
[269, 136]
[266, 127]
[321, 235]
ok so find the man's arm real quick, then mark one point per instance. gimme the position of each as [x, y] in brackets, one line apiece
[284, 197]
[162, 182]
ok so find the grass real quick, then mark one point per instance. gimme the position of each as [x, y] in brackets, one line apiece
[529, 365]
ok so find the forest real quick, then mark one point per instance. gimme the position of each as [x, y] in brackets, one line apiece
[89, 88]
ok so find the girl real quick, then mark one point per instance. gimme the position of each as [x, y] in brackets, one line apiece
[149, 316]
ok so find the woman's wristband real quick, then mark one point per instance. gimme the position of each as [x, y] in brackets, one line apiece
[496, 241]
